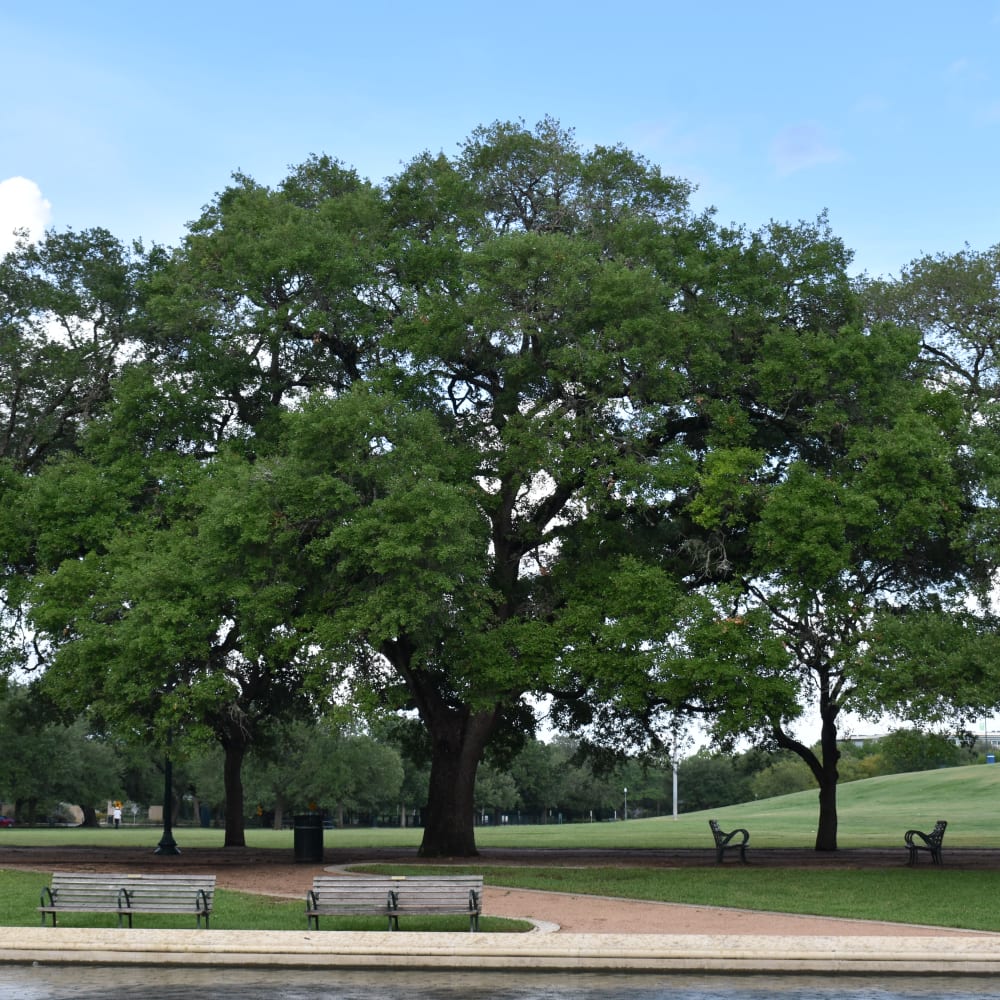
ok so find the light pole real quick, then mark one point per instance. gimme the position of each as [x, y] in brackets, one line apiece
[626, 805]
[167, 844]
[675, 789]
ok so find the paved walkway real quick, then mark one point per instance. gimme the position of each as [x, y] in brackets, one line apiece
[951, 955]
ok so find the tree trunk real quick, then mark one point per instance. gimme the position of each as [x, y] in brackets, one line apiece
[826, 831]
[233, 779]
[827, 776]
[824, 768]
[458, 736]
[89, 816]
[459, 740]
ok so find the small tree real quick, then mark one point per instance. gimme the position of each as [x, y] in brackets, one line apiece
[912, 750]
[496, 792]
[707, 780]
[788, 773]
[174, 618]
[819, 536]
[48, 761]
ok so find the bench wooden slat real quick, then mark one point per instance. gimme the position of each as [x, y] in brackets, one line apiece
[435, 895]
[348, 896]
[127, 894]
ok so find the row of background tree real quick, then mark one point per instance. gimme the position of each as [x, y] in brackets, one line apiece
[515, 424]
[360, 778]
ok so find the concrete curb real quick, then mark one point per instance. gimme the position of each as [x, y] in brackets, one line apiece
[578, 952]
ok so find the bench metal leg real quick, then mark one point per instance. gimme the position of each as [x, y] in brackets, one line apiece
[721, 852]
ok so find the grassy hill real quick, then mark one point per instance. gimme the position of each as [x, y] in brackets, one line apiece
[873, 813]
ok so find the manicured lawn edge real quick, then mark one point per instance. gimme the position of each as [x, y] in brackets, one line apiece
[19, 895]
[923, 895]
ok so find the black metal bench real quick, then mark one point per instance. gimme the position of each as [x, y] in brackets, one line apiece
[931, 842]
[726, 842]
[395, 896]
[127, 895]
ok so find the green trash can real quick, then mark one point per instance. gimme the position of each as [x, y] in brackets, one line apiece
[308, 838]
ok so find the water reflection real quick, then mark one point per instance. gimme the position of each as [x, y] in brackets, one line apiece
[40, 982]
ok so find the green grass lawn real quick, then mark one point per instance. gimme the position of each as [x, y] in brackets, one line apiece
[873, 813]
[20, 892]
[927, 895]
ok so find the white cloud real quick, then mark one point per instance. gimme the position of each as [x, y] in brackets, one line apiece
[871, 104]
[21, 207]
[801, 146]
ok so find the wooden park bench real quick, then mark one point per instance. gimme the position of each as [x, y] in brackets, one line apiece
[431, 895]
[726, 842]
[127, 895]
[931, 842]
[395, 896]
[348, 896]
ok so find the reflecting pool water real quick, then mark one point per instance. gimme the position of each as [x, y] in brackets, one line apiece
[42, 982]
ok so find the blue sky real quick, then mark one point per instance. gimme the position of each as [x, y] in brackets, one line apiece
[886, 114]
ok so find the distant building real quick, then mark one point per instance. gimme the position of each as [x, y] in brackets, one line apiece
[861, 740]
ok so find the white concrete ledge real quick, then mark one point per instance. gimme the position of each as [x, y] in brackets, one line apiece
[951, 955]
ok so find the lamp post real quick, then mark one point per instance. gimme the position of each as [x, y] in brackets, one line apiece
[626, 805]
[167, 844]
[675, 789]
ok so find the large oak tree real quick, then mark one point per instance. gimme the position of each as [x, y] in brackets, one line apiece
[514, 423]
